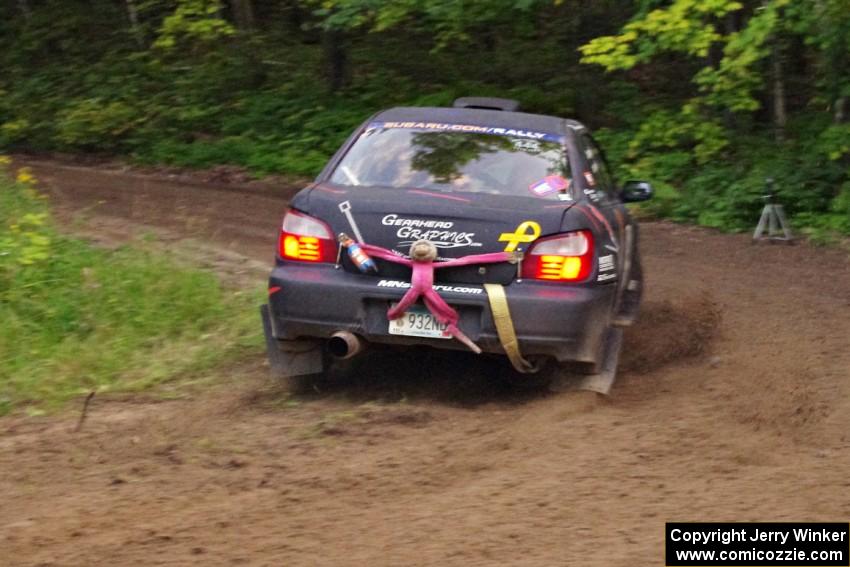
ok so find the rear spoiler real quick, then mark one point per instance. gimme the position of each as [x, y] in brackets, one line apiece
[487, 103]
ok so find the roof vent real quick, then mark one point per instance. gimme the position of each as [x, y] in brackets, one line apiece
[487, 103]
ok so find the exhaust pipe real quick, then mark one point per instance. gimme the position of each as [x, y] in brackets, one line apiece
[343, 344]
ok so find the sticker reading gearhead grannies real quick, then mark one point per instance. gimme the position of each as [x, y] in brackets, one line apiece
[439, 232]
[467, 128]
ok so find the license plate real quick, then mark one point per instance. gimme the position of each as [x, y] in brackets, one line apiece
[417, 321]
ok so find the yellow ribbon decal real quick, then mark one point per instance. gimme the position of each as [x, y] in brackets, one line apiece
[521, 234]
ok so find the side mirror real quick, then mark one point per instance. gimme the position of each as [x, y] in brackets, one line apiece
[636, 191]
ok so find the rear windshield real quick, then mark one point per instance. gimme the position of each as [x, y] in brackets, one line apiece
[449, 157]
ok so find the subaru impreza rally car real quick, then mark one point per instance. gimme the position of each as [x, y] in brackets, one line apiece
[474, 227]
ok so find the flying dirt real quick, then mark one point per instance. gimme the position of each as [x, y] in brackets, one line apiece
[733, 403]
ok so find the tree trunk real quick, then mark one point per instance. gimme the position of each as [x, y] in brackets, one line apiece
[840, 110]
[133, 16]
[731, 24]
[780, 116]
[294, 14]
[243, 14]
[336, 59]
[24, 7]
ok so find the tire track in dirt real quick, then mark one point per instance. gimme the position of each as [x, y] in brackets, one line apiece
[426, 464]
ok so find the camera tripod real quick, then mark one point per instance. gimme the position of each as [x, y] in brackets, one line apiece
[772, 220]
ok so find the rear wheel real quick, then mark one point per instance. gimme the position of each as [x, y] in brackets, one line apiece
[629, 305]
[294, 361]
[598, 377]
[296, 376]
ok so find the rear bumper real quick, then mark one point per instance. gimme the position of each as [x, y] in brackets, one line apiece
[567, 323]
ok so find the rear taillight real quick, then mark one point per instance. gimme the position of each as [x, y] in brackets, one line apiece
[305, 239]
[562, 258]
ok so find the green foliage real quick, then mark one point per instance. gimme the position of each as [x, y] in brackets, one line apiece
[708, 170]
[96, 124]
[77, 319]
[689, 27]
[733, 83]
[834, 142]
[826, 228]
[25, 237]
[193, 23]
[682, 90]
[665, 131]
[13, 131]
[686, 26]
[449, 22]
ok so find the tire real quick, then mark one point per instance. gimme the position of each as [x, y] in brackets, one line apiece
[629, 304]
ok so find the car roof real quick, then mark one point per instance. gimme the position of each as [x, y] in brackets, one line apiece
[480, 117]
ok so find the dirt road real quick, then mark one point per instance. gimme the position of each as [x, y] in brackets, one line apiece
[408, 463]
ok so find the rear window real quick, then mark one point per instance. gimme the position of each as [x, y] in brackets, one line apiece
[452, 157]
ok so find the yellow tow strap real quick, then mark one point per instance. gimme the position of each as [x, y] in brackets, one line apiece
[505, 327]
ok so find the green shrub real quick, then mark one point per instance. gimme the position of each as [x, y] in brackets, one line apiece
[96, 124]
[78, 319]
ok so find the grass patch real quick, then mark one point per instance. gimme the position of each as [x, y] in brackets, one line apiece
[76, 318]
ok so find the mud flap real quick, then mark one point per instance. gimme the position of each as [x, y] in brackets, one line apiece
[602, 381]
[291, 358]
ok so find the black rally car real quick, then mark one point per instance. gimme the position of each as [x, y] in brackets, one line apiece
[474, 179]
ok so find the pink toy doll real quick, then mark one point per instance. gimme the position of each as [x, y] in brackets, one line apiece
[423, 254]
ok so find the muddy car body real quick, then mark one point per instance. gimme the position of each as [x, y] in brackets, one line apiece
[474, 179]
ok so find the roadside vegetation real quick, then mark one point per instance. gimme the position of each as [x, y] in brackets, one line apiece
[77, 319]
[704, 98]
